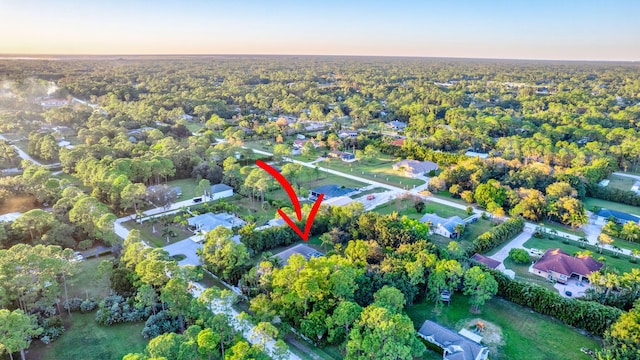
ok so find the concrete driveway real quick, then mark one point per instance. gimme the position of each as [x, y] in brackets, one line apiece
[517, 243]
[186, 247]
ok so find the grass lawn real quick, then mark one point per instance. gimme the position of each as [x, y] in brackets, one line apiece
[156, 239]
[522, 273]
[620, 182]
[188, 187]
[371, 191]
[471, 232]
[624, 244]
[84, 339]
[193, 126]
[560, 227]
[525, 334]
[252, 210]
[446, 195]
[622, 263]
[377, 170]
[406, 208]
[590, 203]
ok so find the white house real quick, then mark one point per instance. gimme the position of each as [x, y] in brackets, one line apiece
[219, 191]
[455, 346]
[442, 226]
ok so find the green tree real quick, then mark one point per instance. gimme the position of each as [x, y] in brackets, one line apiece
[16, 331]
[480, 285]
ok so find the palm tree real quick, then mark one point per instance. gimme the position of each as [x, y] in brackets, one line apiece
[458, 230]
[635, 253]
[166, 232]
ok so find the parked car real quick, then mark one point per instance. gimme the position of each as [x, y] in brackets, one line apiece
[371, 197]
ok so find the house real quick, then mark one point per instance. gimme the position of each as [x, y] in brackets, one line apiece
[51, 103]
[477, 154]
[219, 191]
[413, 168]
[487, 261]
[329, 191]
[300, 249]
[299, 144]
[455, 346]
[396, 125]
[344, 134]
[344, 156]
[209, 221]
[557, 265]
[442, 226]
[636, 187]
[398, 142]
[603, 216]
[9, 217]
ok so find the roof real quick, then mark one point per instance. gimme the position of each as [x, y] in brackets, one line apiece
[9, 217]
[333, 190]
[606, 213]
[458, 346]
[301, 249]
[489, 262]
[559, 261]
[477, 154]
[447, 223]
[397, 142]
[218, 188]
[210, 221]
[397, 124]
[417, 167]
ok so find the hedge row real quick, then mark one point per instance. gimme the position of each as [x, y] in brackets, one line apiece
[498, 235]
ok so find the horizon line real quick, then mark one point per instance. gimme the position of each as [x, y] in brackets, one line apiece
[43, 56]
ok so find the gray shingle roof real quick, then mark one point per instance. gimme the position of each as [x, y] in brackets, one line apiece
[218, 188]
[456, 346]
[330, 191]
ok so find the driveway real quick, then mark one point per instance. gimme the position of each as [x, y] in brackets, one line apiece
[516, 243]
[576, 287]
[188, 248]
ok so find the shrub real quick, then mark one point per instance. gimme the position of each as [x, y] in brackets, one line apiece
[72, 304]
[85, 244]
[88, 305]
[52, 328]
[116, 309]
[159, 324]
[520, 256]
[498, 235]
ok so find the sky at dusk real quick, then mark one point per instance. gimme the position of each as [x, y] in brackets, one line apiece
[542, 29]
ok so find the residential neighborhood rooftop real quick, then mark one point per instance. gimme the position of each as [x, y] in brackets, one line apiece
[300, 249]
[560, 262]
[606, 213]
[330, 191]
[455, 346]
[489, 262]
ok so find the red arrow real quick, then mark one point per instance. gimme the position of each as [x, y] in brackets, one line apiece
[294, 201]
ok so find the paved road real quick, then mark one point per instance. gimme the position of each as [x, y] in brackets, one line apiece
[21, 153]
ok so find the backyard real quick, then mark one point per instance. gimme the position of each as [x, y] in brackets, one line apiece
[620, 182]
[379, 169]
[159, 237]
[525, 334]
[188, 187]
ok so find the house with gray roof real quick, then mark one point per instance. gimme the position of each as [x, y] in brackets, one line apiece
[301, 249]
[454, 345]
[396, 125]
[414, 168]
[443, 226]
[204, 223]
[219, 191]
[329, 191]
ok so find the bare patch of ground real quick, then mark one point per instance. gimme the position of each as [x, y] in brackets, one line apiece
[491, 334]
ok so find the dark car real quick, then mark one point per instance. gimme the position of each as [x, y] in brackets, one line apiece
[568, 293]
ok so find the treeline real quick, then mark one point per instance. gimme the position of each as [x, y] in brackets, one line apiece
[613, 194]
[498, 234]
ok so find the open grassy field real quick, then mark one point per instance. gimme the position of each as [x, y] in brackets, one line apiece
[188, 187]
[155, 238]
[378, 170]
[563, 228]
[622, 263]
[590, 203]
[406, 208]
[84, 339]
[525, 334]
[620, 182]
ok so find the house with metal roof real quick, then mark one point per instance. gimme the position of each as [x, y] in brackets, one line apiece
[455, 346]
[557, 265]
[204, 223]
[219, 191]
[442, 226]
[603, 216]
[413, 168]
[329, 191]
[486, 261]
